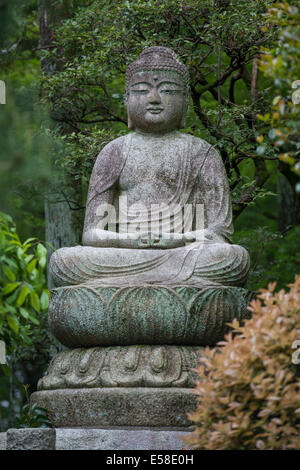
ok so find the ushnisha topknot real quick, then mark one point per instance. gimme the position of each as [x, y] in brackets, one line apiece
[157, 58]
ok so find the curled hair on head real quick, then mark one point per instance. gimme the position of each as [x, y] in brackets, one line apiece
[158, 58]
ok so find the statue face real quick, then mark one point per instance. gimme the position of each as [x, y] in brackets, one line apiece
[156, 101]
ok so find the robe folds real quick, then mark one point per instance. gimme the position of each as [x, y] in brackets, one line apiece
[202, 181]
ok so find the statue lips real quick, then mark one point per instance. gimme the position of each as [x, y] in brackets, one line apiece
[153, 110]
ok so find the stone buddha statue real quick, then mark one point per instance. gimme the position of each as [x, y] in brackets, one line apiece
[147, 182]
[156, 276]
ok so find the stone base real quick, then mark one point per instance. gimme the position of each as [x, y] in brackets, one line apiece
[120, 439]
[31, 439]
[96, 407]
[133, 438]
[2, 440]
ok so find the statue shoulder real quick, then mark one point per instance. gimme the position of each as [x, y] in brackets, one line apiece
[109, 164]
[112, 156]
[200, 145]
[200, 150]
[113, 148]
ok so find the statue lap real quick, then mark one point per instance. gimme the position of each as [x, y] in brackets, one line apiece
[118, 288]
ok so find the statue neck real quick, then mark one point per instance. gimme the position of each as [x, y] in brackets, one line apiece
[157, 134]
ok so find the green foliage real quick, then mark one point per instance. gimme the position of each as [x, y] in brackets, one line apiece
[24, 161]
[249, 385]
[282, 64]
[23, 324]
[32, 416]
[23, 296]
[77, 152]
[275, 257]
[19, 31]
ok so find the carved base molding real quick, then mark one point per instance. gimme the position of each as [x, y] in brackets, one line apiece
[122, 366]
[96, 407]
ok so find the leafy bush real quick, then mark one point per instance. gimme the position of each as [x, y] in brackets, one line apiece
[23, 325]
[23, 294]
[32, 416]
[282, 64]
[250, 397]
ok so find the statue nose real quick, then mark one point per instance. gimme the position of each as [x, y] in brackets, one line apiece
[154, 97]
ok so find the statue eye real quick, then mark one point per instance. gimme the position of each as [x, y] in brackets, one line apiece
[141, 91]
[169, 91]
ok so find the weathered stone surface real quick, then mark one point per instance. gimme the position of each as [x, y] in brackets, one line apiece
[31, 439]
[152, 270]
[2, 440]
[86, 316]
[119, 439]
[131, 366]
[140, 406]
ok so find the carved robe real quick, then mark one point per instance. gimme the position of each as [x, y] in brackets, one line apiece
[202, 181]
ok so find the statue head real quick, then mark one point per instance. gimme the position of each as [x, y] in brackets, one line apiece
[157, 91]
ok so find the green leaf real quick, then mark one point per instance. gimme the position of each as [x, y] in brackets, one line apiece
[42, 254]
[8, 288]
[34, 274]
[43, 262]
[10, 262]
[7, 218]
[28, 258]
[35, 301]
[29, 240]
[13, 324]
[13, 297]
[24, 312]
[8, 273]
[41, 250]
[10, 308]
[44, 300]
[6, 370]
[34, 320]
[23, 294]
[31, 265]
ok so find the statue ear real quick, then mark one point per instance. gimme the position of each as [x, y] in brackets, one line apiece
[183, 119]
[129, 122]
[182, 122]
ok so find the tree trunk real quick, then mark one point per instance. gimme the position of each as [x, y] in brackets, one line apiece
[63, 216]
[288, 201]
